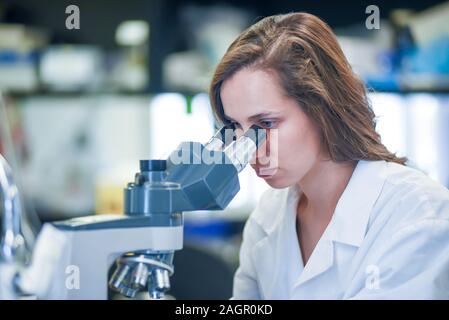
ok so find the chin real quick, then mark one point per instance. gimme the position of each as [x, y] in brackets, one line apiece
[277, 182]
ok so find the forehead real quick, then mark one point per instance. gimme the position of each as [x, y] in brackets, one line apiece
[250, 92]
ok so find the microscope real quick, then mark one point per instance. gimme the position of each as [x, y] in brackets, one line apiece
[89, 257]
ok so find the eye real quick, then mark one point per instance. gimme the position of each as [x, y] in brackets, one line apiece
[268, 124]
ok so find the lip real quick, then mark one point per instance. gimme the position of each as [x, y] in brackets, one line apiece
[265, 172]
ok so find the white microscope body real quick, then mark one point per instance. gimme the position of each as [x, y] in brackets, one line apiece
[74, 264]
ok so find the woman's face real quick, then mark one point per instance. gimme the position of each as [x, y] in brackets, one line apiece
[255, 97]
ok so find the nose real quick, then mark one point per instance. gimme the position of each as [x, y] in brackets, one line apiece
[262, 156]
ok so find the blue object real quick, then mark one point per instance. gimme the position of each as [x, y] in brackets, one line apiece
[153, 165]
[433, 58]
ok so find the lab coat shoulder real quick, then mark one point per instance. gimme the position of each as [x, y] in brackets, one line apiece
[407, 244]
[417, 196]
[264, 218]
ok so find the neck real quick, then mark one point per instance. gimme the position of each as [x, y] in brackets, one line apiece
[323, 186]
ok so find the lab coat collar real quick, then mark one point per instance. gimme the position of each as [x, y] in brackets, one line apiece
[350, 219]
[351, 216]
[348, 225]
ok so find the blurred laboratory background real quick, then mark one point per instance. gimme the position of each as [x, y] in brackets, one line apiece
[81, 107]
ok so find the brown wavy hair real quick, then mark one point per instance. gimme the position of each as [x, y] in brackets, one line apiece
[304, 53]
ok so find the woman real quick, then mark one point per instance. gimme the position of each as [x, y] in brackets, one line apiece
[345, 218]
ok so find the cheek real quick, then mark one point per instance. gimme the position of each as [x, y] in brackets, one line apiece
[299, 145]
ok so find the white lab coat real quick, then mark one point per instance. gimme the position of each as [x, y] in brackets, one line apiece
[388, 239]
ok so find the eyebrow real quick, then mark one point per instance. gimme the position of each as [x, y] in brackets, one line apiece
[256, 116]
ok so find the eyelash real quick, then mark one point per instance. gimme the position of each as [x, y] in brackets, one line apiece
[271, 125]
[267, 124]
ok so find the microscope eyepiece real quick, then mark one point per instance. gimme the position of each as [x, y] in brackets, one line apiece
[221, 138]
[242, 151]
